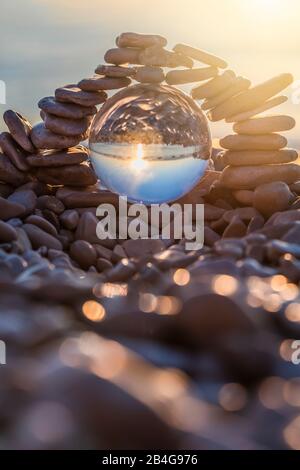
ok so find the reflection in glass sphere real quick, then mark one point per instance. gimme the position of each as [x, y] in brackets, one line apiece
[150, 143]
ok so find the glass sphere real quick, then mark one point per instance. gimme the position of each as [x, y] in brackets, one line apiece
[150, 143]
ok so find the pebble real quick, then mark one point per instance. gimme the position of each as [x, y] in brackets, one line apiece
[140, 40]
[214, 87]
[39, 237]
[73, 94]
[45, 139]
[235, 229]
[67, 127]
[26, 198]
[9, 173]
[283, 218]
[258, 157]
[157, 56]
[210, 236]
[272, 197]
[51, 203]
[83, 253]
[65, 110]
[71, 156]
[253, 98]
[69, 219]
[9, 210]
[277, 248]
[244, 213]
[114, 71]
[212, 212]
[122, 55]
[264, 125]
[20, 129]
[293, 235]
[240, 84]
[244, 197]
[42, 223]
[253, 142]
[259, 110]
[249, 177]
[121, 272]
[7, 233]
[200, 56]
[73, 175]
[86, 229]
[149, 75]
[98, 83]
[143, 247]
[295, 187]
[81, 199]
[180, 77]
[16, 155]
[103, 264]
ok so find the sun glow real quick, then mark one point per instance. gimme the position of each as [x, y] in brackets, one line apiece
[138, 163]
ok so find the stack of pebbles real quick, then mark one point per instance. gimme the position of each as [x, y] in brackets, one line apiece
[258, 167]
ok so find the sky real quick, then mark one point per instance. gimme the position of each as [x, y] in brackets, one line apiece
[48, 43]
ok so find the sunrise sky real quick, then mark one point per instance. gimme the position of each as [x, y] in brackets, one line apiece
[48, 43]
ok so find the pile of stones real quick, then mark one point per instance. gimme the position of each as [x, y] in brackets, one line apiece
[139, 343]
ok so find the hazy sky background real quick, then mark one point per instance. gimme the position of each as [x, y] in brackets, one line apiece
[48, 43]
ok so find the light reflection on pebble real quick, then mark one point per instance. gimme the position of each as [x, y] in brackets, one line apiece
[285, 350]
[181, 277]
[93, 311]
[292, 312]
[225, 285]
[270, 393]
[110, 290]
[292, 392]
[233, 397]
[292, 434]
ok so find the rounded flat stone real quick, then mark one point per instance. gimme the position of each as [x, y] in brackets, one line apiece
[45, 139]
[258, 157]
[71, 156]
[65, 110]
[149, 75]
[7, 233]
[272, 103]
[103, 83]
[14, 152]
[39, 237]
[239, 85]
[9, 209]
[83, 253]
[214, 87]
[200, 56]
[73, 94]
[73, 175]
[42, 223]
[244, 197]
[66, 127]
[264, 125]
[20, 128]
[115, 71]
[254, 97]
[180, 77]
[253, 142]
[122, 55]
[159, 57]
[26, 198]
[249, 177]
[140, 40]
[9, 173]
[272, 197]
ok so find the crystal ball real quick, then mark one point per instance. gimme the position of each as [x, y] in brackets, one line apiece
[150, 143]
